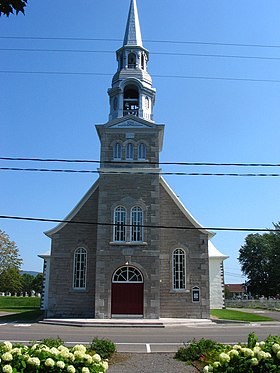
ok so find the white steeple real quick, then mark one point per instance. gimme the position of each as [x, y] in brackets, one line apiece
[133, 33]
[131, 92]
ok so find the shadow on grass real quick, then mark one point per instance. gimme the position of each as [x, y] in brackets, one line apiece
[26, 316]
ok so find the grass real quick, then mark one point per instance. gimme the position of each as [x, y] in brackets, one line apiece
[21, 309]
[238, 315]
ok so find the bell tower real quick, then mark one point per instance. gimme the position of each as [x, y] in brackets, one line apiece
[129, 182]
[132, 92]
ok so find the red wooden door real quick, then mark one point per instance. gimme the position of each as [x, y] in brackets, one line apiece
[127, 298]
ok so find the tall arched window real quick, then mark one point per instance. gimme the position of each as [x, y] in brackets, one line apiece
[179, 269]
[131, 60]
[117, 152]
[80, 268]
[141, 151]
[119, 224]
[136, 224]
[129, 151]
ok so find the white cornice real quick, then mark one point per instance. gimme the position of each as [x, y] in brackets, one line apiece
[188, 215]
[75, 210]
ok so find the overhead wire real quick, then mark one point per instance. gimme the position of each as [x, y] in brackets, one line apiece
[96, 223]
[191, 42]
[62, 160]
[152, 53]
[133, 172]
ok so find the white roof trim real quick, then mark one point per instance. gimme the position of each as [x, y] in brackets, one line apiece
[183, 208]
[75, 210]
[214, 253]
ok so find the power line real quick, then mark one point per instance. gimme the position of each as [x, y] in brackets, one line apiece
[152, 53]
[155, 76]
[62, 160]
[191, 42]
[130, 172]
[141, 226]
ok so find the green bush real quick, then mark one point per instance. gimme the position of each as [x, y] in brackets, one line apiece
[103, 347]
[196, 350]
[253, 357]
[52, 342]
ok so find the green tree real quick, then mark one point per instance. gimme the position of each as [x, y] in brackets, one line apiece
[27, 282]
[37, 284]
[10, 262]
[260, 262]
[8, 7]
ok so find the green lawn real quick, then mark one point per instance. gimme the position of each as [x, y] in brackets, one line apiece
[21, 308]
[238, 315]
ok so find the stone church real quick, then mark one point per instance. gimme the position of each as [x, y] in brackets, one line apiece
[141, 253]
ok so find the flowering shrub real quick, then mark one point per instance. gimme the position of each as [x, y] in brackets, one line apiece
[41, 358]
[255, 357]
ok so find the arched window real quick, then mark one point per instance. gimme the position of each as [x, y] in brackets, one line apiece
[119, 224]
[130, 100]
[117, 153]
[143, 61]
[127, 274]
[129, 151]
[80, 268]
[179, 269]
[136, 224]
[131, 60]
[141, 151]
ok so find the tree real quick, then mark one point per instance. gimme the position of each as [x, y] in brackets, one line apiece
[27, 282]
[37, 284]
[7, 7]
[260, 262]
[10, 262]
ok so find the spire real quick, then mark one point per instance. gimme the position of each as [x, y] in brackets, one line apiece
[133, 33]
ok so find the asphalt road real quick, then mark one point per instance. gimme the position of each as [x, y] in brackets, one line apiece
[137, 339]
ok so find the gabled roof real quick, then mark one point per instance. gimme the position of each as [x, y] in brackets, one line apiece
[75, 210]
[236, 288]
[133, 33]
[183, 208]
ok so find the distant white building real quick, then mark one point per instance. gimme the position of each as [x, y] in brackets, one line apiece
[216, 276]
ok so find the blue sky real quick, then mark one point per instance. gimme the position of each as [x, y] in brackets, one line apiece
[207, 120]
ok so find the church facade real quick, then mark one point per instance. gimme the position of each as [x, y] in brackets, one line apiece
[130, 247]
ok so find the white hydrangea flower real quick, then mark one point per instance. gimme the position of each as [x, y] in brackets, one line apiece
[79, 348]
[275, 347]
[207, 369]
[34, 347]
[254, 361]
[248, 352]
[278, 355]
[224, 358]
[79, 354]
[88, 358]
[60, 364]
[261, 355]
[96, 358]
[71, 369]
[105, 365]
[49, 362]
[256, 349]
[16, 351]
[237, 347]
[7, 369]
[7, 346]
[233, 353]
[85, 370]
[216, 364]
[262, 343]
[54, 351]
[7, 356]
[34, 361]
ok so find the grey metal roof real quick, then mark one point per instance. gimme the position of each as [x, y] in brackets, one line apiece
[133, 32]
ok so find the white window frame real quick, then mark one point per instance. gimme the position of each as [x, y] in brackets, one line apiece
[142, 151]
[127, 274]
[80, 268]
[136, 220]
[119, 232]
[129, 151]
[179, 270]
[117, 151]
